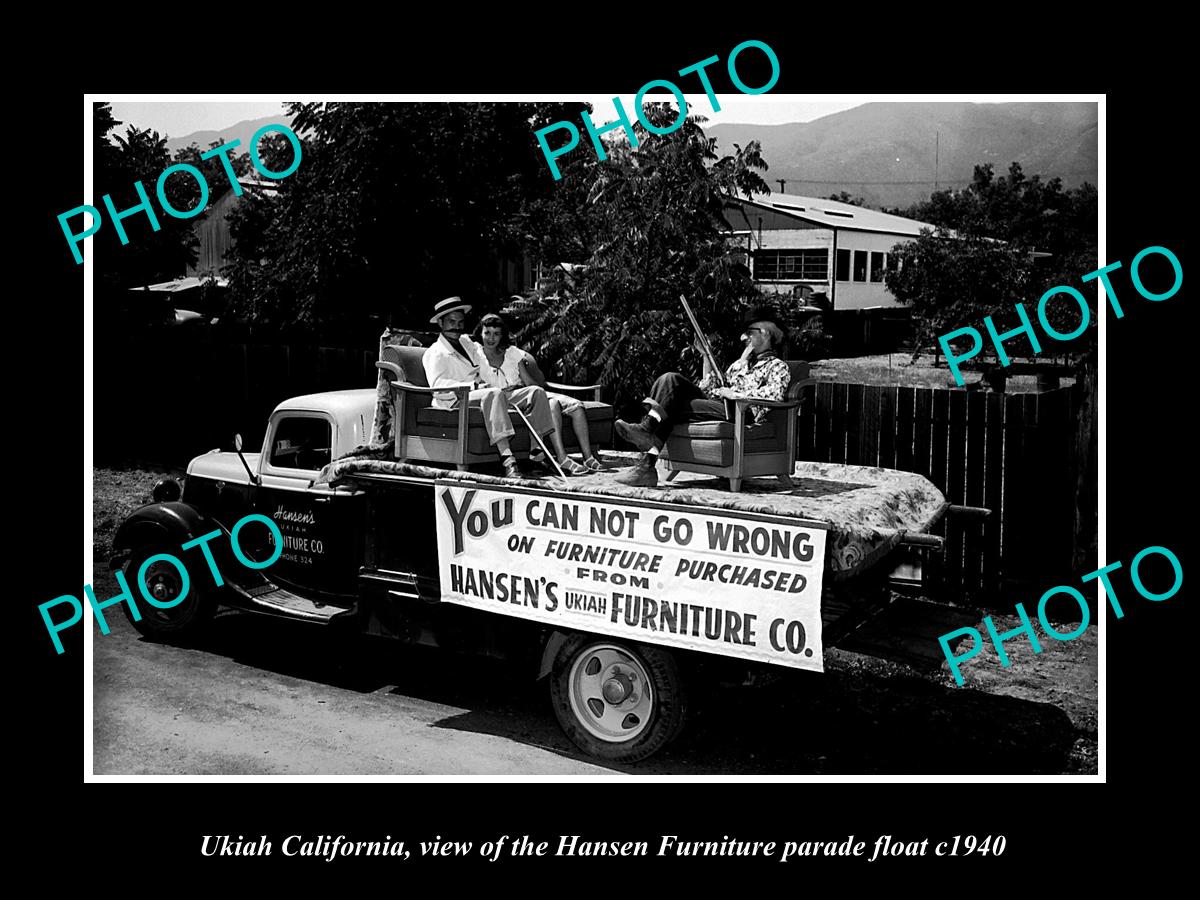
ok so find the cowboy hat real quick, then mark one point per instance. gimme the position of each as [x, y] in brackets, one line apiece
[763, 314]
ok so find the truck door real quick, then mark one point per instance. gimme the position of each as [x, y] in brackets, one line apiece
[322, 527]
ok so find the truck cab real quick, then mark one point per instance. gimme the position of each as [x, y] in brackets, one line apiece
[365, 559]
[322, 526]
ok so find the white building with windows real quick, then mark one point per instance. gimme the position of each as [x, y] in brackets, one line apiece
[842, 250]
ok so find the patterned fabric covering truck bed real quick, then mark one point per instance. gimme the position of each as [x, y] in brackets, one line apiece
[868, 510]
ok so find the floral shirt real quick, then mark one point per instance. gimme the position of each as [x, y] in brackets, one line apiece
[767, 378]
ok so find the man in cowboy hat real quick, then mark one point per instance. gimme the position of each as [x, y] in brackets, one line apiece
[447, 365]
[758, 372]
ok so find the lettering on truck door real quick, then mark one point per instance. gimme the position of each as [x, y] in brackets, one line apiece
[321, 526]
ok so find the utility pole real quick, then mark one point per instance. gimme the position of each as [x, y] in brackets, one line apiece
[937, 140]
[782, 185]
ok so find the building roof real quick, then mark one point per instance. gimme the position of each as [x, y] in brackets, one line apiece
[181, 284]
[834, 214]
[264, 185]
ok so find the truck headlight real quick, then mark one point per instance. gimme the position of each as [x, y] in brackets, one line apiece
[166, 490]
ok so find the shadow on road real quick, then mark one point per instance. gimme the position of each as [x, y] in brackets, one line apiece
[848, 720]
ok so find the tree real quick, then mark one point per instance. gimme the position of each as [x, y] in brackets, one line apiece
[950, 281]
[105, 156]
[844, 197]
[1024, 210]
[984, 255]
[810, 340]
[187, 191]
[150, 256]
[648, 224]
[394, 206]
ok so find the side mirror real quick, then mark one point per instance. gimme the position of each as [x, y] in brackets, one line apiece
[237, 445]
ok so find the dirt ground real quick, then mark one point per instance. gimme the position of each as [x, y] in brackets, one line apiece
[263, 696]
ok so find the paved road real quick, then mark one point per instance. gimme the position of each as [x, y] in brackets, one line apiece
[268, 697]
[265, 696]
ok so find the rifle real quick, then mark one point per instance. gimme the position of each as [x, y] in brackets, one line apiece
[705, 347]
[707, 350]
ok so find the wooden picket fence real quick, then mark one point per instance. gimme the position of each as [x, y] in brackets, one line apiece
[1011, 453]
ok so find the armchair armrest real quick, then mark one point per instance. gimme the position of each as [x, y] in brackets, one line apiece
[396, 372]
[594, 388]
[796, 387]
[743, 402]
[400, 381]
[461, 391]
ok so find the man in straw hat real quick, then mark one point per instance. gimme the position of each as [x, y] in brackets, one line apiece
[447, 365]
[758, 372]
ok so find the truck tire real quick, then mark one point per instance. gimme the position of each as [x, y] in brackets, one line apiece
[181, 622]
[617, 701]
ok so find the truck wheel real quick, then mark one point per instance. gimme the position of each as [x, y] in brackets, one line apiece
[163, 581]
[616, 701]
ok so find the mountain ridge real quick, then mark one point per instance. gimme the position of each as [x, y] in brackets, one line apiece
[885, 152]
[881, 151]
[243, 131]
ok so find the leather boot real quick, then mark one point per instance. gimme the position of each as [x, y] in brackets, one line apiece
[642, 435]
[644, 474]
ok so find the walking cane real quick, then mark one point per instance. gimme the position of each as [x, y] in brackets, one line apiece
[537, 437]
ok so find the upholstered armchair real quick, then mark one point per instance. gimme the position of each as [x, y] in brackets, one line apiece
[421, 431]
[741, 448]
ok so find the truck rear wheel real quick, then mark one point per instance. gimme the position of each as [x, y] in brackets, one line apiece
[617, 701]
[164, 582]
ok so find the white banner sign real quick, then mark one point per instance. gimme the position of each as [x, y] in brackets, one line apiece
[737, 584]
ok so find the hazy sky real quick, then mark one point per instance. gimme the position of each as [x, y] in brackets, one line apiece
[176, 118]
[764, 109]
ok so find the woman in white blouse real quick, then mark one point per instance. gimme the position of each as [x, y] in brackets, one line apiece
[501, 364]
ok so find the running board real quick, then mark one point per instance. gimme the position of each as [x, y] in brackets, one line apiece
[270, 598]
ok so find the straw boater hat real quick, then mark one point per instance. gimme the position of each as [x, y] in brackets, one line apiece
[449, 305]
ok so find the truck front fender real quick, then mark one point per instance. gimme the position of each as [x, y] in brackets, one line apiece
[172, 523]
[556, 640]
